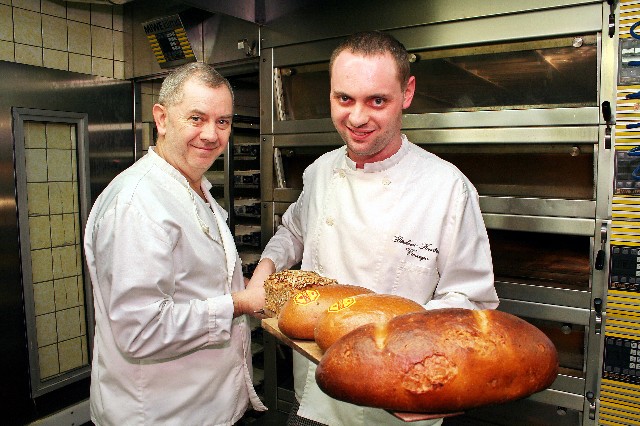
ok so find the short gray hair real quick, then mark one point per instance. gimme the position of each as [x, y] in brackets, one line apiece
[172, 87]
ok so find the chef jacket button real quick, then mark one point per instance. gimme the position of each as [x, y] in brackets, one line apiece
[320, 269]
[386, 181]
[329, 221]
[342, 173]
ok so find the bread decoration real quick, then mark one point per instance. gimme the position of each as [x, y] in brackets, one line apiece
[280, 286]
[298, 316]
[349, 313]
[439, 361]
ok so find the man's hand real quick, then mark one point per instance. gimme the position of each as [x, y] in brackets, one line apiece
[251, 300]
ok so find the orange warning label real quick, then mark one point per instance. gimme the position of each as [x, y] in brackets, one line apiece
[342, 304]
[306, 296]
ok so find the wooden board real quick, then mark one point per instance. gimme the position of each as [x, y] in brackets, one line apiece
[310, 350]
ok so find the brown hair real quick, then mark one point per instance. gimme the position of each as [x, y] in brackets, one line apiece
[371, 43]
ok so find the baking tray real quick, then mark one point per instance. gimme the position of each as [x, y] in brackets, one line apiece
[310, 350]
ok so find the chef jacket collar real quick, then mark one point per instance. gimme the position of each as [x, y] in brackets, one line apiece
[383, 165]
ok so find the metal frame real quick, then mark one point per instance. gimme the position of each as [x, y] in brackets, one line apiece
[80, 120]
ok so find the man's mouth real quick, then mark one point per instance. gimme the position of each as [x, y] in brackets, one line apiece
[359, 133]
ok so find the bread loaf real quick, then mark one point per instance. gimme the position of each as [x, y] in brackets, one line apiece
[351, 312]
[298, 316]
[439, 361]
[280, 286]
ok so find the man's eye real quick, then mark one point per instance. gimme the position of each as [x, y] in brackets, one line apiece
[196, 118]
[344, 98]
[378, 101]
[222, 123]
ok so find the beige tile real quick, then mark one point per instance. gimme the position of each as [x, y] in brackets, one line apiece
[85, 351]
[43, 297]
[8, 2]
[36, 164]
[55, 59]
[54, 8]
[68, 322]
[101, 15]
[59, 165]
[64, 261]
[39, 232]
[41, 265]
[61, 197]
[81, 292]
[80, 12]
[6, 23]
[74, 194]
[79, 37]
[146, 88]
[34, 135]
[146, 108]
[83, 321]
[80, 63]
[70, 354]
[48, 360]
[147, 135]
[62, 229]
[101, 42]
[118, 46]
[74, 166]
[46, 329]
[73, 135]
[29, 55]
[27, 27]
[118, 18]
[66, 293]
[119, 70]
[58, 135]
[54, 33]
[7, 51]
[38, 198]
[102, 67]
[33, 5]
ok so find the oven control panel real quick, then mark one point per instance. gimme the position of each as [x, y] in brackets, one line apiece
[625, 268]
[622, 360]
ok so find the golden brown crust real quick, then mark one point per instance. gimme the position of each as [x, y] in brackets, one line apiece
[280, 286]
[350, 313]
[299, 314]
[439, 361]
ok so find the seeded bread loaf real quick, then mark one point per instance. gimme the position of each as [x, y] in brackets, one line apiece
[280, 286]
[440, 361]
[350, 313]
[299, 314]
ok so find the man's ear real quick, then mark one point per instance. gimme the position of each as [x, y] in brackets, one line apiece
[409, 91]
[160, 117]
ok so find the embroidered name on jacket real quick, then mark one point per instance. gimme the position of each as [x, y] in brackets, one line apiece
[415, 249]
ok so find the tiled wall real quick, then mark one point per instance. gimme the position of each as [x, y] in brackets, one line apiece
[55, 246]
[73, 36]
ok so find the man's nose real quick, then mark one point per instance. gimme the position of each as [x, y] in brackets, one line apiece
[358, 116]
[209, 131]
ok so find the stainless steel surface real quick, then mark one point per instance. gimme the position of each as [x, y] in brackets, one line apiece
[107, 103]
[542, 167]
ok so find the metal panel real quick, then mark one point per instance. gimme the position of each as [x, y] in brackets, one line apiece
[108, 105]
[328, 19]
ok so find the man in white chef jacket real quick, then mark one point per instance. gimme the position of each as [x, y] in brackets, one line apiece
[172, 343]
[381, 213]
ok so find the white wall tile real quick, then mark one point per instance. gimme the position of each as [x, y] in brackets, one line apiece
[79, 36]
[54, 8]
[54, 32]
[27, 27]
[80, 63]
[6, 23]
[55, 59]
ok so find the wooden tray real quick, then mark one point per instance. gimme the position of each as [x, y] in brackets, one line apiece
[310, 350]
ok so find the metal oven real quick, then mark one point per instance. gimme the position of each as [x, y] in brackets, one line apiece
[519, 98]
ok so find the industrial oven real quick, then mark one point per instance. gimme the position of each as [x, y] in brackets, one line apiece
[522, 99]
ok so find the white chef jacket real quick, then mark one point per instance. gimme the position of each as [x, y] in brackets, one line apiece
[408, 225]
[163, 264]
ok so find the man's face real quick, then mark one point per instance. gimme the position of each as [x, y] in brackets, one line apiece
[195, 131]
[367, 100]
